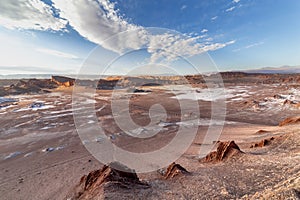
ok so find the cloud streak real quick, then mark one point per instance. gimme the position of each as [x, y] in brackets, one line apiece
[253, 45]
[214, 18]
[249, 46]
[230, 9]
[56, 53]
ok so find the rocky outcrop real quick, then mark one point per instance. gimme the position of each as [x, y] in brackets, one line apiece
[118, 82]
[228, 77]
[63, 81]
[38, 83]
[107, 84]
[290, 120]
[224, 151]
[30, 86]
[175, 170]
[262, 143]
[115, 174]
[258, 78]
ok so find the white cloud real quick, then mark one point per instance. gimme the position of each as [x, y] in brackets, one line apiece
[209, 39]
[255, 44]
[230, 9]
[98, 20]
[214, 18]
[215, 46]
[29, 14]
[183, 7]
[249, 46]
[236, 1]
[56, 53]
[204, 31]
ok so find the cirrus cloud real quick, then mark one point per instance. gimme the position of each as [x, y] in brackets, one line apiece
[230, 9]
[56, 53]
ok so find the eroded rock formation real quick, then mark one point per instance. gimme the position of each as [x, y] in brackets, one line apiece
[115, 174]
[63, 81]
[224, 151]
[30, 86]
[175, 170]
[262, 143]
[290, 120]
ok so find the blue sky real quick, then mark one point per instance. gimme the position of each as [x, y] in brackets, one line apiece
[57, 36]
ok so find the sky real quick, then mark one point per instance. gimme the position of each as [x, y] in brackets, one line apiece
[93, 36]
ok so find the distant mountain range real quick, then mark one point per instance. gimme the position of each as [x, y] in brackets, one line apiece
[264, 70]
[275, 70]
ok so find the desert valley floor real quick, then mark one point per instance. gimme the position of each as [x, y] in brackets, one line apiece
[42, 156]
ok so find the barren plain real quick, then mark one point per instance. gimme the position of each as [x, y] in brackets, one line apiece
[42, 156]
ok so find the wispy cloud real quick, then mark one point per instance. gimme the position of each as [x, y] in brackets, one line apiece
[230, 9]
[253, 45]
[216, 46]
[249, 46]
[236, 1]
[209, 39]
[214, 18]
[29, 14]
[183, 7]
[56, 53]
[204, 31]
